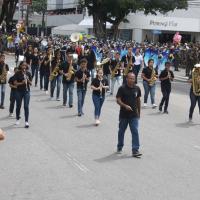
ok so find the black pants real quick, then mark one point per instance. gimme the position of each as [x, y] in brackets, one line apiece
[12, 101]
[194, 99]
[41, 80]
[34, 69]
[166, 90]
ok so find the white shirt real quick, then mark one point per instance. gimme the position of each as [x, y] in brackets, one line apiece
[138, 59]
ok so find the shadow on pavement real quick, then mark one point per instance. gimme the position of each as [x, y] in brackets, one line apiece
[114, 157]
[43, 100]
[54, 107]
[186, 125]
[11, 127]
[156, 113]
[68, 116]
[4, 118]
[86, 126]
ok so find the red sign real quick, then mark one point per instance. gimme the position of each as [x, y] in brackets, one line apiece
[26, 2]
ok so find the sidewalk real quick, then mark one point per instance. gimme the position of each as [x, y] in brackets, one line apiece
[180, 75]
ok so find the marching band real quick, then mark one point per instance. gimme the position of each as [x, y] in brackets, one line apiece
[77, 65]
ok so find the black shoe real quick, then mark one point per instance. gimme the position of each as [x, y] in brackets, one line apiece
[119, 151]
[166, 112]
[136, 153]
[70, 106]
[160, 108]
[2, 107]
[79, 114]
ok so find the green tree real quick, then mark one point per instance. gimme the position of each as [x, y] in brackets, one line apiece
[7, 12]
[40, 6]
[115, 11]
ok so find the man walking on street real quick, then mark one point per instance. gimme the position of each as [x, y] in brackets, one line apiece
[128, 97]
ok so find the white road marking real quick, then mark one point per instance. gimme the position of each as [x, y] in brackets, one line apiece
[197, 147]
[77, 163]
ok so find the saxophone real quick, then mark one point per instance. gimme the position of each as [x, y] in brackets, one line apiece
[196, 81]
[128, 67]
[54, 73]
[115, 71]
[153, 78]
[3, 76]
[70, 72]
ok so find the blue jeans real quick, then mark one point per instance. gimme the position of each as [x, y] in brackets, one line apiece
[147, 89]
[81, 97]
[22, 95]
[98, 103]
[12, 100]
[66, 87]
[92, 71]
[133, 124]
[3, 90]
[35, 69]
[56, 82]
[46, 81]
[108, 77]
[194, 99]
[113, 81]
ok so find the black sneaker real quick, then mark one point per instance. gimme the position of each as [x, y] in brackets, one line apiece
[166, 112]
[79, 114]
[71, 106]
[119, 151]
[2, 107]
[136, 153]
[160, 108]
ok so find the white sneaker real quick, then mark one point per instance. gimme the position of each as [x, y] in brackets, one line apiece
[11, 115]
[46, 92]
[58, 99]
[17, 122]
[26, 125]
[145, 105]
[154, 105]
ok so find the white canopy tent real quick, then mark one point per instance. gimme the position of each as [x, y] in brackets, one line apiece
[68, 29]
[87, 22]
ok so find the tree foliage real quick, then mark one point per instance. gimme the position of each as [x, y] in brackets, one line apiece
[7, 11]
[39, 6]
[115, 11]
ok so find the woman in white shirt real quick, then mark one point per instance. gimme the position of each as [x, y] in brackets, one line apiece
[138, 63]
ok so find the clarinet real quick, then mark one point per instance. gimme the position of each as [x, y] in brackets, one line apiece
[101, 89]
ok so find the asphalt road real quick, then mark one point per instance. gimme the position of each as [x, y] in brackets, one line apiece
[65, 157]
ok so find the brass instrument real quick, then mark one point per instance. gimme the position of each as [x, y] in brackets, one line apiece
[54, 73]
[153, 78]
[3, 76]
[70, 72]
[128, 67]
[115, 71]
[196, 81]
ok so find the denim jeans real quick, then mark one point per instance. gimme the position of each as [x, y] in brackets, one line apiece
[46, 81]
[147, 89]
[108, 77]
[133, 124]
[35, 69]
[136, 71]
[12, 100]
[56, 82]
[113, 81]
[66, 87]
[3, 91]
[165, 99]
[22, 95]
[98, 103]
[81, 97]
[194, 99]
[41, 80]
[92, 73]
